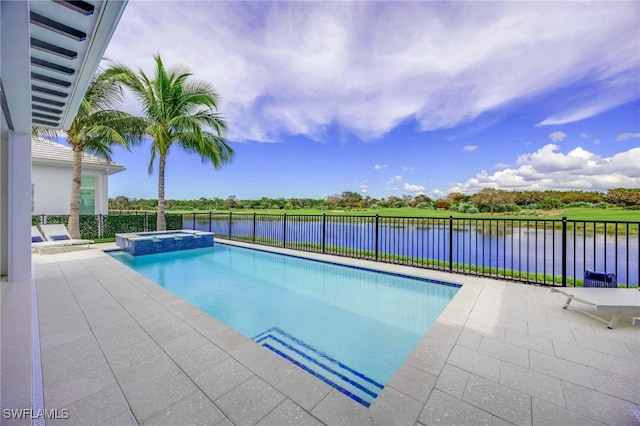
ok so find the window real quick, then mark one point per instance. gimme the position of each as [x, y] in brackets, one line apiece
[88, 195]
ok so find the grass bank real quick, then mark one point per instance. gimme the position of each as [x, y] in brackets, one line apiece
[576, 213]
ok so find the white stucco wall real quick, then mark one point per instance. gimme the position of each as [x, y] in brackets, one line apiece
[52, 189]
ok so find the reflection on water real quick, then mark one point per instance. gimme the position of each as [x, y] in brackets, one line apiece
[530, 247]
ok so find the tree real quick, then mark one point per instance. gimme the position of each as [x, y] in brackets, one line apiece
[487, 199]
[626, 197]
[95, 129]
[179, 112]
[351, 199]
[120, 203]
[421, 199]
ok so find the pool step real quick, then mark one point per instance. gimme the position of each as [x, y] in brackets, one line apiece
[347, 380]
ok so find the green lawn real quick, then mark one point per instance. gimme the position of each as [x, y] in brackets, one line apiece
[587, 214]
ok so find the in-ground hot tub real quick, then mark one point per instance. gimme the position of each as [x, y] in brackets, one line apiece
[141, 243]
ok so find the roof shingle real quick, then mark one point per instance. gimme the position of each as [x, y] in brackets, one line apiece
[43, 150]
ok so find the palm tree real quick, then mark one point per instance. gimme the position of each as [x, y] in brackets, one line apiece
[95, 130]
[178, 112]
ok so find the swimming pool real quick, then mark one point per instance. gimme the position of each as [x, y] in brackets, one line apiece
[350, 327]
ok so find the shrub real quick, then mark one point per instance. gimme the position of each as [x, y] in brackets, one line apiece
[602, 205]
[467, 208]
[578, 204]
[504, 208]
[442, 204]
[425, 206]
[550, 203]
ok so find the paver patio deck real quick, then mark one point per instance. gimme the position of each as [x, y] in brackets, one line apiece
[119, 349]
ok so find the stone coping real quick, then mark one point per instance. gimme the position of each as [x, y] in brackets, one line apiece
[119, 348]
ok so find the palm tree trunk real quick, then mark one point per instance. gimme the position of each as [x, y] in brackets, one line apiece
[161, 224]
[74, 208]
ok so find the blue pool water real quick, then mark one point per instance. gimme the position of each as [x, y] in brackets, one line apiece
[350, 327]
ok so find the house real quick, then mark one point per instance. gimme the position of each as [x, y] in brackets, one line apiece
[49, 52]
[51, 173]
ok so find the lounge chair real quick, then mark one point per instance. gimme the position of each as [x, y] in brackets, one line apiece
[59, 233]
[616, 300]
[38, 242]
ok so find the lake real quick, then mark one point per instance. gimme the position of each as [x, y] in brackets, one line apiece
[526, 246]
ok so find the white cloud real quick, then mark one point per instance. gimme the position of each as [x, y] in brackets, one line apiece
[380, 166]
[436, 194]
[585, 135]
[364, 188]
[407, 168]
[548, 168]
[557, 136]
[501, 165]
[302, 67]
[596, 141]
[414, 189]
[625, 136]
[394, 179]
[470, 148]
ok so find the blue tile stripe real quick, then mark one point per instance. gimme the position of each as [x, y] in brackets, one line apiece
[267, 340]
[321, 365]
[313, 373]
[299, 342]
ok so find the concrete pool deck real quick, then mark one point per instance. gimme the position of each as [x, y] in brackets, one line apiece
[119, 349]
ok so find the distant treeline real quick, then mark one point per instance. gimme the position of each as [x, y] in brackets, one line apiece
[487, 201]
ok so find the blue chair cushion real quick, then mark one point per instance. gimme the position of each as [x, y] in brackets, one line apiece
[36, 239]
[59, 237]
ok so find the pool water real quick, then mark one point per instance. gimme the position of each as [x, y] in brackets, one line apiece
[350, 327]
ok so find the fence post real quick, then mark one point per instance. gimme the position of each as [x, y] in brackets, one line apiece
[194, 221]
[324, 232]
[210, 220]
[450, 243]
[564, 251]
[377, 234]
[284, 231]
[44, 218]
[254, 227]
[100, 226]
[145, 222]
[230, 220]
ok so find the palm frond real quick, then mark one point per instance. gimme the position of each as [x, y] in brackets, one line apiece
[179, 111]
[43, 132]
[211, 148]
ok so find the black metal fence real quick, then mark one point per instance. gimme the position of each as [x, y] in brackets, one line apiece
[540, 251]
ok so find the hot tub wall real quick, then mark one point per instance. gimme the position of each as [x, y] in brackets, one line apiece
[144, 246]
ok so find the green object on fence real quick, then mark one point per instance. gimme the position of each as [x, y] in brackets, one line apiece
[112, 225]
[107, 226]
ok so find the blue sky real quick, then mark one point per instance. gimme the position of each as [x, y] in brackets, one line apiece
[393, 98]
